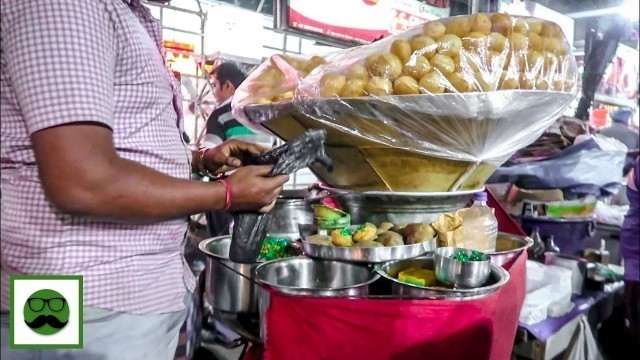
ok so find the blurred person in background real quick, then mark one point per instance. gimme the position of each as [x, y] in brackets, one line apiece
[221, 126]
[621, 131]
[96, 174]
[630, 249]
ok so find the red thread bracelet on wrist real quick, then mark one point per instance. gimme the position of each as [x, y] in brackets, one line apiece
[228, 194]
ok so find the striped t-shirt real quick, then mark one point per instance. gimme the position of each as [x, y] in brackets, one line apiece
[222, 126]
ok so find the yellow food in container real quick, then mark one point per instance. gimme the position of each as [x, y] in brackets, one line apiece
[415, 276]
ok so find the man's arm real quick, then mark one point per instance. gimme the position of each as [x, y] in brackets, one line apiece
[68, 109]
[81, 173]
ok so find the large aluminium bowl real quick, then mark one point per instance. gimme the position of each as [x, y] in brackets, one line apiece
[497, 278]
[509, 247]
[367, 255]
[398, 207]
[302, 276]
[429, 143]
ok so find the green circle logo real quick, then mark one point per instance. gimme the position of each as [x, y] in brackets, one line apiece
[46, 312]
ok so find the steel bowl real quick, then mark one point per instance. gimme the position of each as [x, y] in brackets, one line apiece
[302, 276]
[497, 278]
[368, 255]
[461, 274]
[508, 247]
[399, 207]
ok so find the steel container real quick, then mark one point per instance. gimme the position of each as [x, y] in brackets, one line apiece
[228, 286]
[290, 209]
[368, 254]
[399, 207]
[461, 274]
[302, 276]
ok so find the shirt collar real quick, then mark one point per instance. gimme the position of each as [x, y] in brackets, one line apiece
[226, 102]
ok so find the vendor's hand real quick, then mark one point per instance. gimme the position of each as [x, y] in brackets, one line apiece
[227, 156]
[253, 190]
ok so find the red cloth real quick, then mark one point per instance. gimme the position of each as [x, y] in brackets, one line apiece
[351, 329]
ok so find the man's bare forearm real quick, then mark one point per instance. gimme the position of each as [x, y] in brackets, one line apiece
[131, 192]
[82, 174]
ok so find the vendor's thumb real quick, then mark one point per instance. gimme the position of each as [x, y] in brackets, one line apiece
[233, 162]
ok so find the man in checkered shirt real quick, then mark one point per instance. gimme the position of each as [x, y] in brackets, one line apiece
[96, 175]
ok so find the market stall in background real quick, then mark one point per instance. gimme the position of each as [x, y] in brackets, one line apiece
[393, 122]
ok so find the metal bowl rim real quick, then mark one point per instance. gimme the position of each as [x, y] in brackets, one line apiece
[504, 277]
[437, 253]
[399, 193]
[375, 276]
[390, 98]
[203, 246]
[348, 251]
[528, 244]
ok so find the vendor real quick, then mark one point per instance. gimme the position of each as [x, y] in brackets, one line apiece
[221, 126]
[620, 131]
[96, 176]
[630, 248]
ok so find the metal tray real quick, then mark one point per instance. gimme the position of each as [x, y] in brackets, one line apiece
[497, 278]
[367, 255]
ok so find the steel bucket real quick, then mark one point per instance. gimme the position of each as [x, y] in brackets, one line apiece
[227, 284]
[290, 210]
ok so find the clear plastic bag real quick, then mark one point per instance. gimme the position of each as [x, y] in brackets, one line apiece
[473, 88]
[435, 108]
[275, 80]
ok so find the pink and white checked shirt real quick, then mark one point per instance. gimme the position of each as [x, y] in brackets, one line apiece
[66, 61]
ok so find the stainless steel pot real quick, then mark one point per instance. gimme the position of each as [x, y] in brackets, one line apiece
[290, 210]
[302, 276]
[227, 284]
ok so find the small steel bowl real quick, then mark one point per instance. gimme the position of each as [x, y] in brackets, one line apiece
[461, 274]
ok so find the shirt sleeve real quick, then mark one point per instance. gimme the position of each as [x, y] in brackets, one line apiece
[60, 56]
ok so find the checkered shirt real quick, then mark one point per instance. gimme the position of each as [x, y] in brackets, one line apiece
[66, 61]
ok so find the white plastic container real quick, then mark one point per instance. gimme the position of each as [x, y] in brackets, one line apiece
[479, 225]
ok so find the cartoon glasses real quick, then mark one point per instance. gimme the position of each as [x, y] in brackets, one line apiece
[37, 304]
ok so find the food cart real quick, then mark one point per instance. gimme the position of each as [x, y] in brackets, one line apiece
[415, 124]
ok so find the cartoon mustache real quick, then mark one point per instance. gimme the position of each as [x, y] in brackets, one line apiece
[43, 320]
